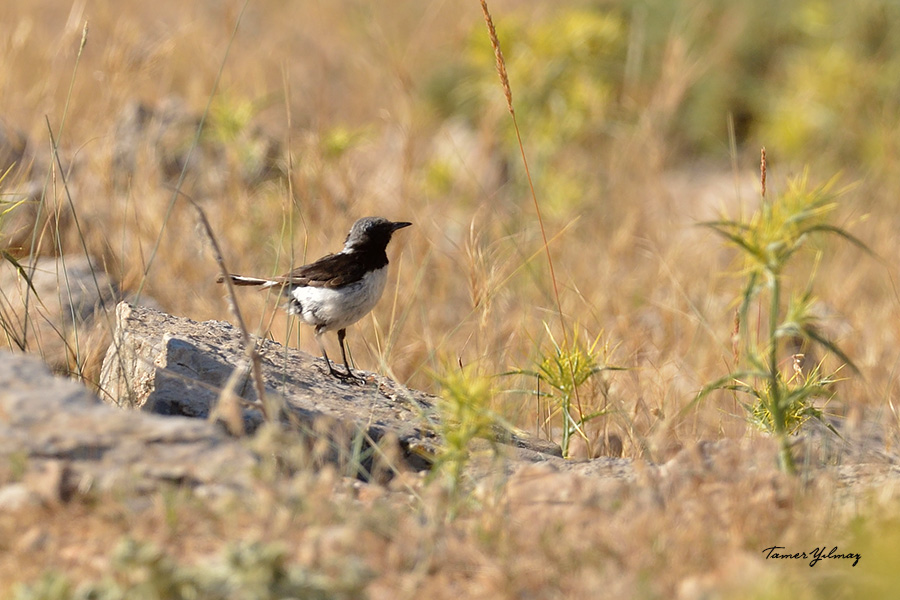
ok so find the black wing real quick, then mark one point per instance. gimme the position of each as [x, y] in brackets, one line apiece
[335, 270]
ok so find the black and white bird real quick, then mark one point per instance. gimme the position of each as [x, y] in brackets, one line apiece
[339, 289]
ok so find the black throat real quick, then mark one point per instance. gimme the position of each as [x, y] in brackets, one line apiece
[370, 256]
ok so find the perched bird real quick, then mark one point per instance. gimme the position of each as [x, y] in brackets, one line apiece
[339, 289]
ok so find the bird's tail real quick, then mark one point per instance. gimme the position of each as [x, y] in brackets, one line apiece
[241, 280]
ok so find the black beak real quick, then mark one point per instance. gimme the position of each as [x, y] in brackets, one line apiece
[399, 225]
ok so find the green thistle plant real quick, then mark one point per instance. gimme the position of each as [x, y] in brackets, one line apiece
[465, 416]
[768, 242]
[564, 371]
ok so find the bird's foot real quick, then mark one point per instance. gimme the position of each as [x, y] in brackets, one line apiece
[348, 377]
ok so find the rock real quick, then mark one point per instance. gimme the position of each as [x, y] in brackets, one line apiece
[176, 366]
[65, 441]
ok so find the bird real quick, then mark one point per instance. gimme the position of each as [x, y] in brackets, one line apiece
[339, 289]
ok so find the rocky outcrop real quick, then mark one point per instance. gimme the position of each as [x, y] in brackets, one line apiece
[60, 439]
[176, 366]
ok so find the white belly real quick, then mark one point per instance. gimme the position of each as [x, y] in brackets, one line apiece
[331, 309]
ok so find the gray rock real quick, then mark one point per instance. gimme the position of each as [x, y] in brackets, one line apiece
[176, 366]
[64, 440]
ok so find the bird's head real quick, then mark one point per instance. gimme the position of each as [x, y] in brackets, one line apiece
[370, 232]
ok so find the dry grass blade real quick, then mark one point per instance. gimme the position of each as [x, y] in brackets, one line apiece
[249, 344]
[81, 237]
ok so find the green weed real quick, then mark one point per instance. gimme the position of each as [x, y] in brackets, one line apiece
[563, 371]
[769, 242]
[465, 416]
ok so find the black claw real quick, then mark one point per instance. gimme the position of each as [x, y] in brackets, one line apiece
[353, 378]
[349, 376]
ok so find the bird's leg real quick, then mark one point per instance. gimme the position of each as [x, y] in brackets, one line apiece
[342, 333]
[325, 356]
[331, 370]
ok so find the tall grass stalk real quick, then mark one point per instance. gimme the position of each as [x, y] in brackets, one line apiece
[507, 91]
[56, 172]
[250, 346]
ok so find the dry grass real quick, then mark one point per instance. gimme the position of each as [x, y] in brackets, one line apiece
[695, 528]
[337, 88]
[629, 260]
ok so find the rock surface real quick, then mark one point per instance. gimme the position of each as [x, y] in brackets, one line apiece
[176, 366]
[61, 439]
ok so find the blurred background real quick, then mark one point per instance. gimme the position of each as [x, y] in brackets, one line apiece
[639, 118]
